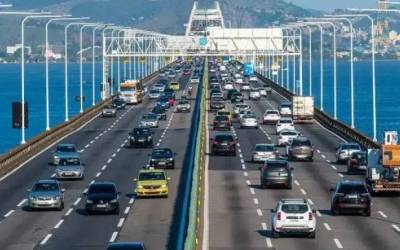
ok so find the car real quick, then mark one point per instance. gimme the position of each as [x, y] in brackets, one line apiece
[64, 150]
[175, 86]
[245, 112]
[300, 148]
[142, 137]
[245, 87]
[102, 196]
[285, 136]
[293, 216]
[228, 86]
[126, 246]
[183, 106]
[216, 95]
[253, 78]
[70, 168]
[236, 97]
[254, 94]
[162, 74]
[171, 98]
[284, 123]
[357, 162]
[155, 93]
[109, 111]
[222, 122]
[263, 152]
[240, 107]
[151, 182]
[344, 151]
[217, 103]
[350, 197]
[230, 93]
[263, 92]
[249, 121]
[285, 109]
[149, 121]
[195, 79]
[187, 72]
[239, 80]
[271, 116]
[160, 111]
[226, 113]
[162, 158]
[163, 101]
[171, 74]
[224, 144]
[267, 89]
[276, 172]
[118, 103]
[46, 194]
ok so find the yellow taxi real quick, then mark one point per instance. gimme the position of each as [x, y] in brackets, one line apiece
[151, 182]
[174, 86]
[225, 113]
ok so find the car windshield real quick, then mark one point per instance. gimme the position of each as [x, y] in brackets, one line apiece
[138, 131]
[154, 91]
[162, 152]
[224, 138]
[151, 176]
[249, 116]
[294, 208]
[351, 189]
[150, 117]
[285, 106]
[39, 187]
[101, 189]
[109, 107]
[289, 133]
[221, 118]
[299, 143]
[351, 146]
[285, 121]
[276, 164]
[69, 162]
[265, 148]
[183, 102]
[66, 148]
[272, 112]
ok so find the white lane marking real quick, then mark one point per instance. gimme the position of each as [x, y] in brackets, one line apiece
[91, 182]
[158, 144]
[248, 182]
[303, 191]
[296, 182]
[259, 212]
[131, 201]
[59, 224]
[44, 241]
[77, 201]
[264, 226]
[323, 156]
[9, 213]
[119, 149]
[113, 155]
[310, 201]
[239, 150]
[127, 210]
[88, 145]
[98, 174]
[96, 138]
[22, 202]
[338, 244]
[240, 155]
[80, 151]
[326, 225]
[238, 144]
[109, 160]
[318, 214]
[84, 191]
[104, 167]
[243, 166]
[269, 242]
[126, 140]
[252, 191]
[92, 141]
[341, 176]
[255, 201]
[123, 144]
[53, 175]
[113, 236]
[242, 161]
[245, 174]
[121, 222]
[69, 211]
[332, 166]
[395, 227]
[318, 151]
[328, 161]
[382, 214]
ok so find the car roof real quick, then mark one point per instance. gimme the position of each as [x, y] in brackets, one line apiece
[293, 201]
[151, 171]
[103, 183]
[66, 145]
[301, 138]
[349, 143]
[46, 181]
[351, 182]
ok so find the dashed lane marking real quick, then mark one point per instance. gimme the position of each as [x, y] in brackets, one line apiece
[98, 174]
[303, 191]
[332, 166]
[255, 201]
[252, 191]
[396, 228]
[264, 226]
[127, 210]
[326, 225]
[323, 156]
[69, 211]
[248, 182]
[318, 214]
[131, 201]
[121, 222]
[22, 202]
[9, 213]
[113, 236]
[296, 182]
[382, 214]
[259, 212]
[77, 201]
[310, 201]
[338, 244]
[341, 176]
[44, 241]
[109, 160]
[113, 155]
[245, 174]
[59, 224]
[104, 167]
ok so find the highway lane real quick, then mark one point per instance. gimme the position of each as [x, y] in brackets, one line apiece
[101, 229]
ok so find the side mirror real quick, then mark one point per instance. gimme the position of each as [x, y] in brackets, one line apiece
[292, 169]
[314, 211]
[331, 190]
[272, 210]
[135, 180]
[169, 178]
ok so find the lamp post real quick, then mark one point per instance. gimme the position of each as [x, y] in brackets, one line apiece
[94, 61]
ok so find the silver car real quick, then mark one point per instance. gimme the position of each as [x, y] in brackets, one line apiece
[263, 152]
[46, 194]
[300, 148]
[149, 121]
[344, 151]
[64, 151]
[183, 106]
[70, 168]
[109, 111]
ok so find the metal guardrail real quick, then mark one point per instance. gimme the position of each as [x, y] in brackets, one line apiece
[327, 121]
[14, 158]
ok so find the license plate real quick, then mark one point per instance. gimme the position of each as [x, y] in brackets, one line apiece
[141, 140]
[101, 205]
[353, 196]
[161, 163]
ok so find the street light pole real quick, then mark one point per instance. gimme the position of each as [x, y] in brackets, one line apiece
[93, 62]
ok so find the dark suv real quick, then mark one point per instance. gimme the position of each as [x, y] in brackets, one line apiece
[224, 144]
[276, 172]
[102, 197]
[357, 162]
[160, 112]
[162, 158]
[141, 137]
[351, 196]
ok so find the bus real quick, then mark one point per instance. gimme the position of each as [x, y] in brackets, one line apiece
[131, 91]
[248, 69]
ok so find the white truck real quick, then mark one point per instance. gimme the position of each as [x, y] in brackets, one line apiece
[303, 109]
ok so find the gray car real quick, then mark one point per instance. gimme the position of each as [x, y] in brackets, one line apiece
[70, 168]
[300, 148]
[64, 151]
[276, 172]
[46, 194]
[109, 111]
[263, 152]
[149, 121]
[183, 106]
[344, 151]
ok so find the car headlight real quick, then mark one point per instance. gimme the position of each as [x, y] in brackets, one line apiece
[56, 198]
[113, 201]
[32, 198]
[149, 138]
[140, 186]
[164, 186]
[171, 159]
[89, 201]
[56, 157]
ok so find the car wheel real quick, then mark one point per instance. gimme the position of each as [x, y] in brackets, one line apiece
[275, 234]
[311, 159]
[312, 234]
[334, 212]
[367, 213]
[61, 207]
[289, 185]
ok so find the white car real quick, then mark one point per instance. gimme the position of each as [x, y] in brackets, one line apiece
[240, 107]
[263, 92]
[239, 80]
[237, 75]
[195, 79]
[263, 152]
[159, 86]
[245, 87]
[254, 94]
[271, 116]
[285, 136]
[249, 121]
[244, 112]
[293, 216]
[284, 124]
[285, 109]
[253, 78]
[154, 94]
[228, 86]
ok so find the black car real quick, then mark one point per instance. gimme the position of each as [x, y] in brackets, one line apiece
[119, 103]
[351, 196]
[169, 91]
[160, 111]
[102, 197]
[237, 97]
[162, 158]
[224, 144]
[217, 103]
[141, 137]
[276, 172]
[163, 101]
[126, 246]
[231, 92]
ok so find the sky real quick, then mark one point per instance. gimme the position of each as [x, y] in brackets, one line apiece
[329, 5]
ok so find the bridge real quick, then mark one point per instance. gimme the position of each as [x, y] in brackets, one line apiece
[214, 202]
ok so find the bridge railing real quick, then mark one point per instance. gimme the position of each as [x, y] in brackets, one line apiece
[326, 120]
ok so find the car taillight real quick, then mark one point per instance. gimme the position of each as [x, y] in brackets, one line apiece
[340, 197]
[215, 143]
[232, 143]
[279, 216]
[310, 216]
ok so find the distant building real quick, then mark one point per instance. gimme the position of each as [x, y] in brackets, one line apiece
[52, 55]
[342, 54]
[12, 49]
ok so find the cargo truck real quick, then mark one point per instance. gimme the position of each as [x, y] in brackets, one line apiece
[303, 109]
[383, 168]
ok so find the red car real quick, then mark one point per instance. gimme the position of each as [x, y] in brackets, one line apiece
[187, 72]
